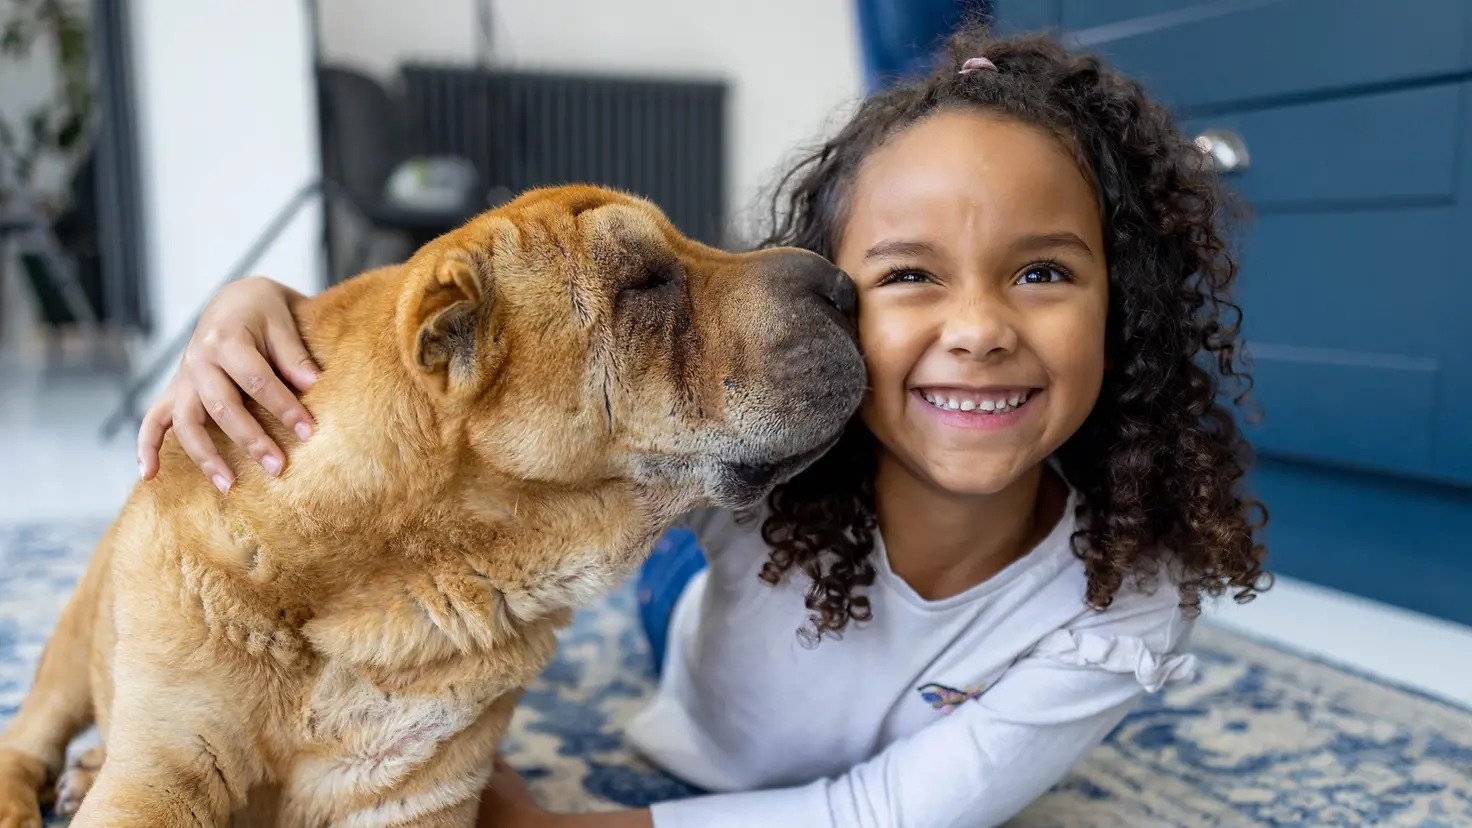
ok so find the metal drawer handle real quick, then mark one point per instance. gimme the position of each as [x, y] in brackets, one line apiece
[1226, 148]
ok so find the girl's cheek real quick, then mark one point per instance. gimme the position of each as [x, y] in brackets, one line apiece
[883, 341]
[887, 342]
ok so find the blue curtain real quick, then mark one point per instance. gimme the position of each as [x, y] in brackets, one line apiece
[898, 37]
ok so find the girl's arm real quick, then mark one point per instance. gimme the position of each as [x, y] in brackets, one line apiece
[977, 767]
[618, 819]
[507, 803]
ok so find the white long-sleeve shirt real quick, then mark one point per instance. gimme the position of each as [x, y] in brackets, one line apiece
[935, 714]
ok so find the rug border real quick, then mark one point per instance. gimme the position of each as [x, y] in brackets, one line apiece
[1335, 664]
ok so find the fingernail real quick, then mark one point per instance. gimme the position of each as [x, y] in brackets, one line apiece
[221, 483]
[271, 464]
[142, 473]
[303, 432]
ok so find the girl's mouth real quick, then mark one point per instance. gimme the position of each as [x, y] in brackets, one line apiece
[1000, 401]
[988, 409]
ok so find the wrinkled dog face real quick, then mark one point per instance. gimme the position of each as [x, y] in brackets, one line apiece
[593, 342]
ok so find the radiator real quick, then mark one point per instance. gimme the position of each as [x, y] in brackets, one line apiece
[661, 139]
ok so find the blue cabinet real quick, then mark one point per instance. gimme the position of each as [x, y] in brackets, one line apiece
[1199, 53]
[1356, 282]
[1352, 286]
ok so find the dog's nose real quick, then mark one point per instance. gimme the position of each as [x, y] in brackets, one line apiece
[826, 281]
[837, 288]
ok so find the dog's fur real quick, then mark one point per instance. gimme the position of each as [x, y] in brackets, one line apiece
[504, 425]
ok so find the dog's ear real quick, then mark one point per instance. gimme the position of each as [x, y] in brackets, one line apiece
[449, 314]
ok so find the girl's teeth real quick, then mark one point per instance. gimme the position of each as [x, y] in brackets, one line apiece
[991, 406]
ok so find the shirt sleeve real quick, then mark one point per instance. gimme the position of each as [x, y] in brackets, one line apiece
[705, 521]
[717, 530]
[993, 756]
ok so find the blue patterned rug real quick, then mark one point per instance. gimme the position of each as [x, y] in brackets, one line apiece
[1261, 737]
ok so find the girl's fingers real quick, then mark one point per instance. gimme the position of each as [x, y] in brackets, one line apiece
[151, 436]
[189, 426]
[288, 353]
[220, 398]
[251, 372]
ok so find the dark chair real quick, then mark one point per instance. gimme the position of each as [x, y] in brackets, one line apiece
[363, 143]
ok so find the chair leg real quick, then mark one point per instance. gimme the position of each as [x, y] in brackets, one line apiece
[4, 283]
[359, 262]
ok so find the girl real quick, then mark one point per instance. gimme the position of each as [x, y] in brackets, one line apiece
[1010, 544]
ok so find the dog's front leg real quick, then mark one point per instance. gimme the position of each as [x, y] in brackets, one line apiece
[159, 788]
[455, 816]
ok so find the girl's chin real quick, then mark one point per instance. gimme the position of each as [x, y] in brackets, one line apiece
[964, 476]
[971, 484]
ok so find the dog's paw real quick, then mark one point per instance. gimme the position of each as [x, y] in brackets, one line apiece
[71, 789]
[19, 807]
[77, 780]
[20, 775]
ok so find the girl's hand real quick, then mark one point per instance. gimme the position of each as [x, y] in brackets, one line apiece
[507, 802]
[244, 337]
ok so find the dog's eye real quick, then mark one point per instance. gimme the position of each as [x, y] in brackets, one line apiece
[652, 277]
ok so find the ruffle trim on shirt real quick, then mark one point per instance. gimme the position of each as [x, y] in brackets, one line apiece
[1117, 654]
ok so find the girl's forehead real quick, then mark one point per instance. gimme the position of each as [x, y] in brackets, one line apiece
[971, 166]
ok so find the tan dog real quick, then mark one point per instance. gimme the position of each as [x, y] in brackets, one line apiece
[505, 424]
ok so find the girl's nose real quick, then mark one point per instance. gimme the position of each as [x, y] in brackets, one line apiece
[979, 328]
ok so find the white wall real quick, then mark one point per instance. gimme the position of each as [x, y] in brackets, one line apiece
[228, 131]
[792, 64]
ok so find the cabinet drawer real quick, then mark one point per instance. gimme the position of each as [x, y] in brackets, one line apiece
[1201, 53]
[1355, 323]
[1394, 146]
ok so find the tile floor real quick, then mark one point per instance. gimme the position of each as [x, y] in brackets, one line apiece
[55, 467]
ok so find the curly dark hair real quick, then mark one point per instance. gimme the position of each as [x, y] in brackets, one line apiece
[1159, 462]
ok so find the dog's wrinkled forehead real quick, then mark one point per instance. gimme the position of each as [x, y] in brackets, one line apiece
[597, 215]
[618, 232]
[598, 236]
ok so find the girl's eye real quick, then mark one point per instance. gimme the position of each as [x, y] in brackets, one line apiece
[1042, 275]
[910, 277]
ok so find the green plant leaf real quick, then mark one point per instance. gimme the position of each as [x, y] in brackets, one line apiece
[23, 166]
[14, 40]
[70, 131]
[60, 124]
[71, 39]
[38, 124]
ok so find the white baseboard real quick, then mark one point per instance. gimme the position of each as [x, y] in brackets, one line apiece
[1399, 646]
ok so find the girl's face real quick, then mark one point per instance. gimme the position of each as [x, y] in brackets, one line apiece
[977, 249]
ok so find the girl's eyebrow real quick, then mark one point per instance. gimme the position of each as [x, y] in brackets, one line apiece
[909, 249]
[900, 249]
[1053, 241]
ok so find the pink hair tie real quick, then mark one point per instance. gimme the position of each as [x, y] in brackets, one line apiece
[977, 64]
